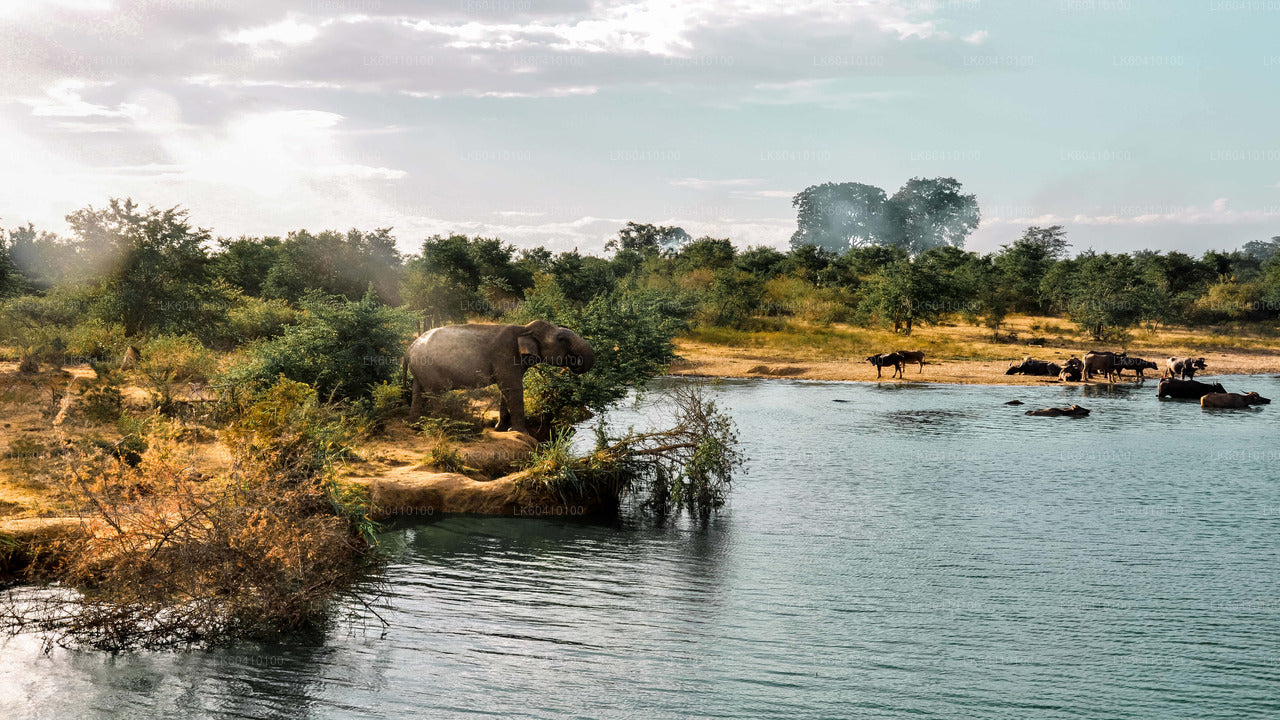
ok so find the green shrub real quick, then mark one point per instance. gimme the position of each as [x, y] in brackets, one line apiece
[257, 319]
[342, 348]
[177, 358]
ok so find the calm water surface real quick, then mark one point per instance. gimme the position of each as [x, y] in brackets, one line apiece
[916, 551]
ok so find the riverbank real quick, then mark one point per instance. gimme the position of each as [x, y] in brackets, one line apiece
[958, 354]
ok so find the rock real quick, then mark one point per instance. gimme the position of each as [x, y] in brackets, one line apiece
[407, 492]
[1070, 411]
[497, 453]
[1014, 402]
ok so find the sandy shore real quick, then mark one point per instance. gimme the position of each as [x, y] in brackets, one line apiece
[718, 361]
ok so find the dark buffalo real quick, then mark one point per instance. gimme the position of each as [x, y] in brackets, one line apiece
[1232, 400]
[1187, 389]
[1136, 364]
[1070, 411]
[1185, 368]
[886, 359]
[1031, 366]
[1100, 362]
[1072, 370]
[912, 356]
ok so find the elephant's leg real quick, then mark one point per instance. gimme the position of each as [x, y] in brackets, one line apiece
[513, 402]
[415, 405]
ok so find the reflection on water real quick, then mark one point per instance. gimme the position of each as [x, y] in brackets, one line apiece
[922, 552]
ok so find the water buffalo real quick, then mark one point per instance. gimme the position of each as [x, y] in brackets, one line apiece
[1100, 362]
[1185, 368]
[1137, 364]
[1072, 370]
[1031, 366]
[1232, 400]
[1187, 389]
[1070, 411]
[884, 360]
[912, 356]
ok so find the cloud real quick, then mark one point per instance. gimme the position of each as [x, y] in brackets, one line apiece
[63, 100]
[286, 32]
[1218, 213]
[701, 184]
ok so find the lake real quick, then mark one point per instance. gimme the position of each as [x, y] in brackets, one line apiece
[915, 551]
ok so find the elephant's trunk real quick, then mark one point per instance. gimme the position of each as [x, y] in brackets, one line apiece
[586, 358]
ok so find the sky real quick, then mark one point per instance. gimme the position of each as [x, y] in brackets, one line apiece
[1133, 123]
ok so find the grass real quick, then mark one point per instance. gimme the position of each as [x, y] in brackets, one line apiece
[802, 341]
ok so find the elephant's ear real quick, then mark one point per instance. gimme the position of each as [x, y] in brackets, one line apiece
[530, 349]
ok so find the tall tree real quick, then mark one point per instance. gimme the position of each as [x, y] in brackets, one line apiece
[838, 216]
[1024, 262]
[157, 274]
[930, 212]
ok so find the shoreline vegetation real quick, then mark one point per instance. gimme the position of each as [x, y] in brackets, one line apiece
[200, 432]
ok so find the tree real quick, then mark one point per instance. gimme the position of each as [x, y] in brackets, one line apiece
[157, 277]
[930, 212]
[648, 239]
[1262, 250]
[243, 263]
[1024, 263]
[994, 293]
[838, 216]
[906, 293]
[1110, 295]
[707, 252]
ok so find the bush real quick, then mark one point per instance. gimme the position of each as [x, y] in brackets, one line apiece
[631, 332]
[176, 562]
[342, 348]
[257, 319]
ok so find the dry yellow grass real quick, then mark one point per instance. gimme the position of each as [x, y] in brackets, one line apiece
[959, 353]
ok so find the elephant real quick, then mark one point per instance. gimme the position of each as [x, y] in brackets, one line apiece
[476, 355]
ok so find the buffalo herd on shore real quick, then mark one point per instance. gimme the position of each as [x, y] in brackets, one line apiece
[1177, 381]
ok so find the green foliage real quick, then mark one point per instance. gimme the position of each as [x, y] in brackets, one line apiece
[256, 319]
[909, 292]
[1108, 295]
[445, 458]
[688, 466]
[157, 276]
[332, 263]
[631, 333]
[342, 348]
[458, 276]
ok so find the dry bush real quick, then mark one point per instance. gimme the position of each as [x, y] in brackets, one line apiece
[171, 559]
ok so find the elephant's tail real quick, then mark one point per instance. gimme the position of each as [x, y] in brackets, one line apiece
[404, 370]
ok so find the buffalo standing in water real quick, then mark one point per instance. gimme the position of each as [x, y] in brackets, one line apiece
[1232, 400]
[1187, 389]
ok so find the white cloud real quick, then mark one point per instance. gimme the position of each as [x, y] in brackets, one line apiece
[1218, 213]
[701, 184]
[286, 32]
[63, 100]
[976, 38]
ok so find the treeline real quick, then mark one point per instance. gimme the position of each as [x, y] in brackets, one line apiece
[127, 272]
